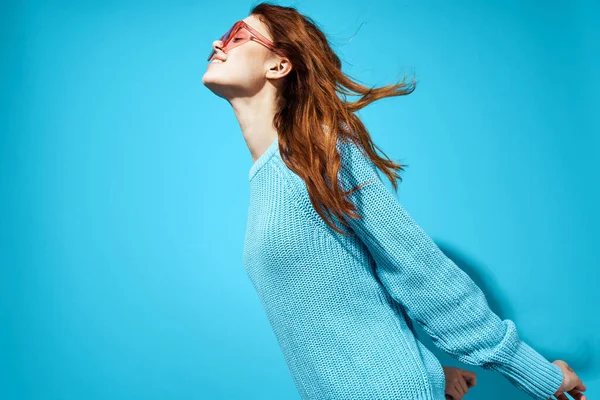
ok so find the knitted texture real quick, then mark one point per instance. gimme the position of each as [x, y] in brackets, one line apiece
[343, 307]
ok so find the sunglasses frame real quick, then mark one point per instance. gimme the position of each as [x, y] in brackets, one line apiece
[254, 35]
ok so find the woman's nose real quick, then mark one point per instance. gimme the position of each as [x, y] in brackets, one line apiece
[217, 44]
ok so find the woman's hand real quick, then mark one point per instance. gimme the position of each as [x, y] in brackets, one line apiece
[458, 382]
[571, 383]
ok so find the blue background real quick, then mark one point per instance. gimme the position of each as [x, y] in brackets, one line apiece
[124, 185]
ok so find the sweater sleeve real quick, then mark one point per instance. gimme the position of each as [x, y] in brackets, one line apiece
[436, 293]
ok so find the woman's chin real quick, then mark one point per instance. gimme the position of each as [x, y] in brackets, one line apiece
[215, 87]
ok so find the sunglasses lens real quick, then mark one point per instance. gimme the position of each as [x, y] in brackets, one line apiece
[226, 36]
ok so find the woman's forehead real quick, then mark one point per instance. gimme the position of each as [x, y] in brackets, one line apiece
[257, 25]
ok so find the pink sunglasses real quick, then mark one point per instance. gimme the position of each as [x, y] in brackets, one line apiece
[239, 34]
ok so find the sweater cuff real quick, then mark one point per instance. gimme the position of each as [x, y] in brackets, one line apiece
[529, 370]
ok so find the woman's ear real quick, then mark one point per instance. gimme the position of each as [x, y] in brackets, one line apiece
[279, 68]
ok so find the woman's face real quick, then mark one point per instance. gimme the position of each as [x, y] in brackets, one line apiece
[244, 71]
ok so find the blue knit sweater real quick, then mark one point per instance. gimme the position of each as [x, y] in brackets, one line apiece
[342, 307]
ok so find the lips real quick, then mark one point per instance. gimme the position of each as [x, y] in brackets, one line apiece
[220, 58]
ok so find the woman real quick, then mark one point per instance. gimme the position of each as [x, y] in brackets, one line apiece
[342, 302]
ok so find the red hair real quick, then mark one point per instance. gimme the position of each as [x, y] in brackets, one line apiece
[309, 94]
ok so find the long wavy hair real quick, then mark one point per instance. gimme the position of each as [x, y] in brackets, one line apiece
[309, 94]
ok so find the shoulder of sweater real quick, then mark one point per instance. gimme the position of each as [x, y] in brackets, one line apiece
[355, 168]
